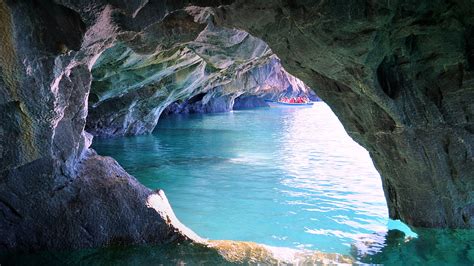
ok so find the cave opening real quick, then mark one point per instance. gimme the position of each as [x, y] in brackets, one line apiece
[233, 168]
[398, 75]
[281, 177]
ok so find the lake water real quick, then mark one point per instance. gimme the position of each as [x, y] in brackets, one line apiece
[288, 177]
[282, 177]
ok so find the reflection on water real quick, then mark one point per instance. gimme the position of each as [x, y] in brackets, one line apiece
[183, 254]
[431, 247]
[282, 177]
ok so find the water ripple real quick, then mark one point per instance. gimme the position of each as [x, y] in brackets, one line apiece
[282, 177]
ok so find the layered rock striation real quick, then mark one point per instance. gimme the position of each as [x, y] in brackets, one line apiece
[55, 192]
[399, 75]
[131, 88]
[247, 90]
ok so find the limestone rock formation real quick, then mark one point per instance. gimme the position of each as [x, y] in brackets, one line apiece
[131, 89]
[250, 101]
[399, 75]
[268, 81]
[55, 192]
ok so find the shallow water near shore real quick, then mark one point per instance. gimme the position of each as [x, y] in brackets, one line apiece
[281, 177]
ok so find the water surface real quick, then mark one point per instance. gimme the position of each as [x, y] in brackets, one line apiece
[283, 177]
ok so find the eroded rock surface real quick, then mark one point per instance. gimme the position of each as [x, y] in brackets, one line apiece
[399, 75]
[132, 87]
[268, 81]
[240, 252]
[55, 192]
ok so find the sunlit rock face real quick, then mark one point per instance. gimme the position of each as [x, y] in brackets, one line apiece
[400, 76]
[131, 89]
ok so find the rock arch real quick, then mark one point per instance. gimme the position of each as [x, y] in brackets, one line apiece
[397, 73]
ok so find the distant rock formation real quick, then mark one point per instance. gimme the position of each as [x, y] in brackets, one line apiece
[205, 75]
[269, 81]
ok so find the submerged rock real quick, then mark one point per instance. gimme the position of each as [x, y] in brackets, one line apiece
[254, 254]
[431, 246]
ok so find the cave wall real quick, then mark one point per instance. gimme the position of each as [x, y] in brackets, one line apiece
[132, 85]
[55, 192]
[399, 76]
[129, 94]
[253, 85]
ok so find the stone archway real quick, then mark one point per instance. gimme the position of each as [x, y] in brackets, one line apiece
[399, 75]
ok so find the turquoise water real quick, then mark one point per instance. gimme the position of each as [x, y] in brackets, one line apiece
[282, 177]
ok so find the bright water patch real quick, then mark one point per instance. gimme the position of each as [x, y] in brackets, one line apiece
[282, 177]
